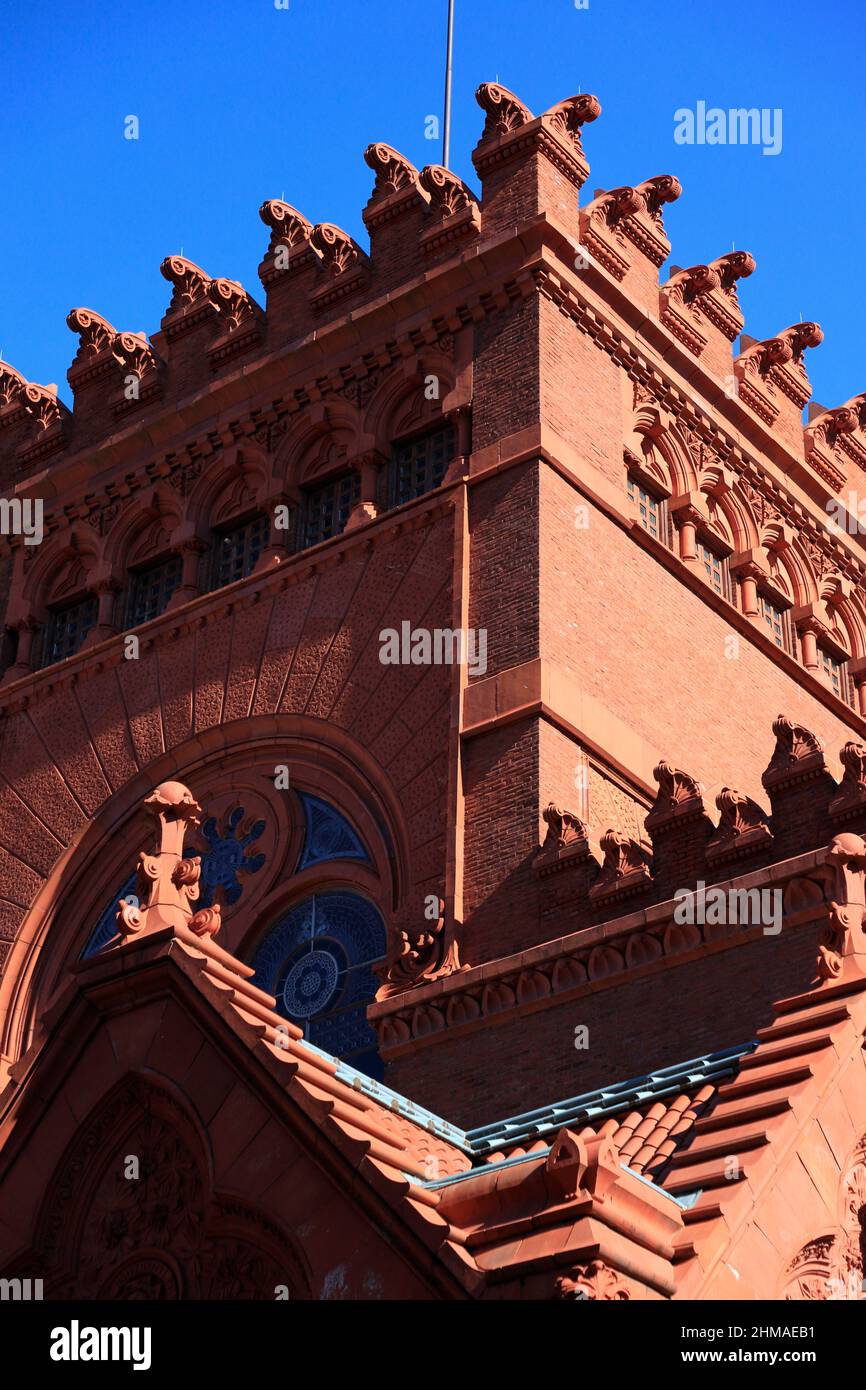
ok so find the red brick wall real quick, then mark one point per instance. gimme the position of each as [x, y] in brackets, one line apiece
[653, 652]
[683, 1011]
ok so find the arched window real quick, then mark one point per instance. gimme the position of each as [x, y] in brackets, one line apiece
[237, 549]
[66, 629]
[419, 464]
[318, 957]
[317, 961]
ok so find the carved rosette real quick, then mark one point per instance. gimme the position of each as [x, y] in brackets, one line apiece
[12, 385]
[394, 173]
[96, 336]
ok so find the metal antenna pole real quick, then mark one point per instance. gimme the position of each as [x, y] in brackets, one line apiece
[446, 128]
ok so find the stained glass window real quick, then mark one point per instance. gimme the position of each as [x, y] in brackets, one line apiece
[328, 835]
[318, 962]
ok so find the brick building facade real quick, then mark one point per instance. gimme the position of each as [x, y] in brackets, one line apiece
[445, 891]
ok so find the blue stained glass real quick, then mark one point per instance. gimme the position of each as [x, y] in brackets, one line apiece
[328, 834]
[106, 927]
[225, 857]
[317, 961]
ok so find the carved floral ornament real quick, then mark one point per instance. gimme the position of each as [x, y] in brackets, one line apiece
[831, 1266]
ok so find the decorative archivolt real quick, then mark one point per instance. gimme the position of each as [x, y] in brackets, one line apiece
[232, 484]
[64, 567]
[139, 531]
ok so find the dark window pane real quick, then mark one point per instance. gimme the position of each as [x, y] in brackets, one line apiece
[419, 465]
[150, 590]
[67, 629]
[326, 509]
[237, 551]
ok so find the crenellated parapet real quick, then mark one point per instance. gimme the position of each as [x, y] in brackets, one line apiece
[233, 319]
[835, 439]
[111, 372]
[344, 267]
[772, 372]
[695, 301]
[396, 189]
[623, 231]
[453, 214]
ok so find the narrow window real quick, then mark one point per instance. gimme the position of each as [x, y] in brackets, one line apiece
[715, 568]
[67, 628]
[326, 509]
[651, 510]
[150, 590]
[777, 622]
[835, 674]
[419, 465]
[238, 548]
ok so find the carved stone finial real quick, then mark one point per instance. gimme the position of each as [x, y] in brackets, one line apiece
[799, 754]
[338, 251]
[626, 867]
[663, 188]
[136, 354]
[563, 828]
[95, 333]
[570, 116]
[12, 385]
[393, 171]
[288, 226]
[449, 195]
[190, 283]
[742, 826]
[173, 881]
[733, 266]
[232, 302]
[679, 796]
[42, 405]
[505, 111]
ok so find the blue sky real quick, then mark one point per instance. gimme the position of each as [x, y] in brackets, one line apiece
[239, 101]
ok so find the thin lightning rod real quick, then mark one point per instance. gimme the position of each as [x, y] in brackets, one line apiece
[446, 126]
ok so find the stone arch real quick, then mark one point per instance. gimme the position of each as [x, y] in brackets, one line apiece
[68, 566]
[235, 483]
[146, 529]
[324, 441]
[661, 451]
[168, 1235]
[401, 406]
[326, 759]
